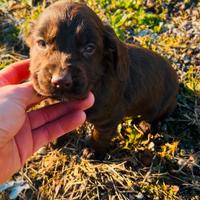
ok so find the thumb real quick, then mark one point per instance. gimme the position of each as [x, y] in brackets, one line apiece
[24, 94]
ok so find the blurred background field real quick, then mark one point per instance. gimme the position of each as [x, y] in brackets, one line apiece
[162, 165]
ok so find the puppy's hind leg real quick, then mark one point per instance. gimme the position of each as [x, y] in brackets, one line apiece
[167, 110]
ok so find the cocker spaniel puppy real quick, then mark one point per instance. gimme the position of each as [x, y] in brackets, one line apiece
[72, 52]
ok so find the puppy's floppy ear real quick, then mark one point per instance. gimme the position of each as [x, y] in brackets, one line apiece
[116, 53]
[28, 34]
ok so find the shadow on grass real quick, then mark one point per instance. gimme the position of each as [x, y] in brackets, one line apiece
[184, 126]
[180, 167]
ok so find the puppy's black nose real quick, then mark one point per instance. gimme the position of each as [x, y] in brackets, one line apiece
[62, 82]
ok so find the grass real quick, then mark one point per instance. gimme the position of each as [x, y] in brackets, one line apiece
[162, 165]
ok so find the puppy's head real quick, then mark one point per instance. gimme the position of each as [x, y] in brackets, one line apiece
[68, 48]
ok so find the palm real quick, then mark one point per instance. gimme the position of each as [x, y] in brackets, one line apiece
[14, 148]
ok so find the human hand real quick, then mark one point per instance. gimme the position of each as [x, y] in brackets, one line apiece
[22, 133]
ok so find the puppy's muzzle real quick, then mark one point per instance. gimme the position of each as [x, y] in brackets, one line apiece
[62, 82]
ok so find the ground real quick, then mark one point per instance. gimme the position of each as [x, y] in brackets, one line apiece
[160, 165]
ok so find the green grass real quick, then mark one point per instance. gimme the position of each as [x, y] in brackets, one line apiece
[129, 14]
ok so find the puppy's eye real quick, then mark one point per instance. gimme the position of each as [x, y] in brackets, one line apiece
[89, 49]
[41, 44]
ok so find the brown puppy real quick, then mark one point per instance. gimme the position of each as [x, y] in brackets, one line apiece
[73, 52]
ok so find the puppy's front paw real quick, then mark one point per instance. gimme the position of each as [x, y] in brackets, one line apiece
[92, 154]
[93, 150]
[88, 153]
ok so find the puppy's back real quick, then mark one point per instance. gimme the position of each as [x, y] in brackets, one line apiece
[154, 84]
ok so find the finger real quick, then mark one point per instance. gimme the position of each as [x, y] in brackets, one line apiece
[23, 93]
[55, 129]
[44, 115]
[15, 73]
